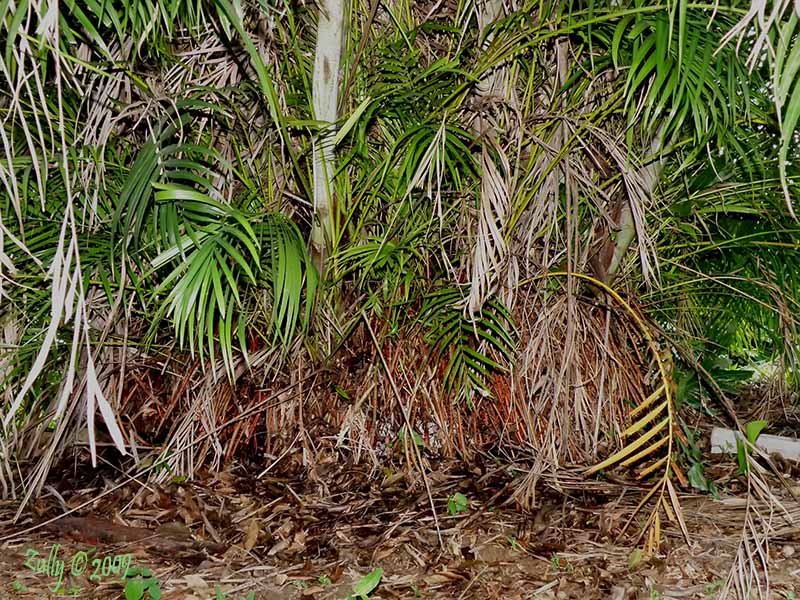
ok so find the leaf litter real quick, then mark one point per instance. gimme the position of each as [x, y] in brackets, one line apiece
[349, 534]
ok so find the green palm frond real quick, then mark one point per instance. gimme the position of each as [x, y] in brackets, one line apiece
[217, 264]
[669, 60]
[287, 268]
[732, 283]
[165, 160]
[771, 40]
[473, 349]
[208, 259]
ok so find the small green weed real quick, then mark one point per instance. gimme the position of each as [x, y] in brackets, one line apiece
[366, 585]
[141, 581]
[635, 558]
[19, 587]
[514, 543]
[713, 587]
[560, 564]
[457, 504]
[752, 430]
[300, 584]
[401, 436]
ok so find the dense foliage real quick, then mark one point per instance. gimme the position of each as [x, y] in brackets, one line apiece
[161, 174]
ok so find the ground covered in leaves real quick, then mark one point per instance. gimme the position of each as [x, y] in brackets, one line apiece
[293, 535]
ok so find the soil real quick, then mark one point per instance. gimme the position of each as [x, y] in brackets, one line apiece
[314, 534]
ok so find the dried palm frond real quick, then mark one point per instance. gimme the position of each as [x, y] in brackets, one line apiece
[763, 514]
[648, 441]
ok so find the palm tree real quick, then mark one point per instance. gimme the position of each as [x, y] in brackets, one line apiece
[534, 194]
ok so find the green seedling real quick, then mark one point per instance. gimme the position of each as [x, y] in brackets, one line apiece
[752, 430]
[457, 504]
[155, 464]
[366, 585]
[635, 559]
[401, 436]
[324, 580]
[560, 564]
[19, 587]
[141, 581]
[698, 480]
[300, 584]
[514, 543]
[713, 587]
[341, 392]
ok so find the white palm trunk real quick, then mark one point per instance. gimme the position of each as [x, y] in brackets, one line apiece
[630, 224]
[325, 90]
[490, 252]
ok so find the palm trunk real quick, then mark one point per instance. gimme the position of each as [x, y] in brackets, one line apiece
[608, 260]
[490, 252]
[325, 90]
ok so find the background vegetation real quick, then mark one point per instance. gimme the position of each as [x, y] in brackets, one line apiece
[232, 226]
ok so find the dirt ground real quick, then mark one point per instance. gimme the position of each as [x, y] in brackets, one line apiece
[289, 536]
